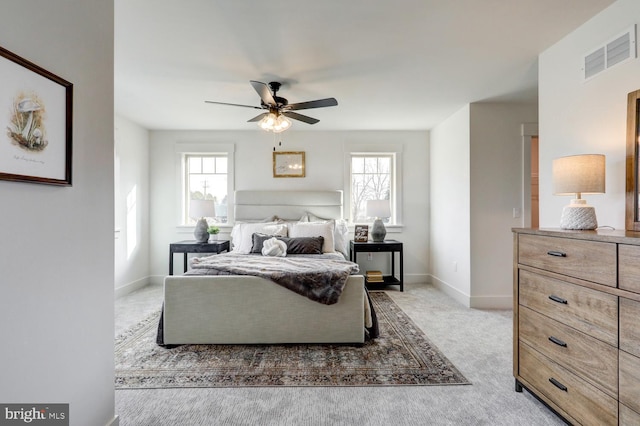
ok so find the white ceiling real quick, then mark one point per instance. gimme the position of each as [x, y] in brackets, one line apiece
[392, 65]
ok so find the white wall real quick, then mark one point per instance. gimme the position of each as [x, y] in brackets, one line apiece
[450, 225]
[131, 206]
[496, 189]
[56, 255]
[476, 181]
[578, 117]
[324, 170]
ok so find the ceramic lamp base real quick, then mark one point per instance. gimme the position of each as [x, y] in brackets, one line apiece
[379, 231]
[578, 216]
[200, 232]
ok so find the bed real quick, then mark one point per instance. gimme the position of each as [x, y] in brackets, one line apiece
[243, 309]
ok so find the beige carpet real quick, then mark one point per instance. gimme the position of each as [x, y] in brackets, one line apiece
[402, 355]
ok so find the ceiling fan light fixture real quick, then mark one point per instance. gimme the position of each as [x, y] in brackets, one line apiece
[275, 123]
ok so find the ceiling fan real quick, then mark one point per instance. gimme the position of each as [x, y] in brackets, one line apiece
[278, 109]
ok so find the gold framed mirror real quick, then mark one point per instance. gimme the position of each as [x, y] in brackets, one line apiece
[632, 214]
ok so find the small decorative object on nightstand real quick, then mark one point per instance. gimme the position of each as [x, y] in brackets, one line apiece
[199, 210]
[378, 209]
[374, 277]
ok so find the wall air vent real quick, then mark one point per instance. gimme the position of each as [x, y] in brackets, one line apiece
[615, 51]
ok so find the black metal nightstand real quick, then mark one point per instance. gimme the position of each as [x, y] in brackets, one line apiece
[391, 246]
[192, 246]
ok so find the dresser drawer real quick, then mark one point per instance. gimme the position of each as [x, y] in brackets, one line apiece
[628, 417]
[589, 311]
[591, 359]
[629, 267]
[579, 399]
[630, 381]
[588, 260]
[630, 326]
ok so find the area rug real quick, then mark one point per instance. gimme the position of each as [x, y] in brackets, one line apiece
[402, 355]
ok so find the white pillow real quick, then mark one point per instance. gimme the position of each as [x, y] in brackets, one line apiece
[242, 234]
[340, 232]
[315, 229]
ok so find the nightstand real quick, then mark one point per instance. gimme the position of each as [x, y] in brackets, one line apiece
[390, 246]
[192, 246]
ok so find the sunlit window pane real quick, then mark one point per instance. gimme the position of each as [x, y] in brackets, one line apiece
[371, 179]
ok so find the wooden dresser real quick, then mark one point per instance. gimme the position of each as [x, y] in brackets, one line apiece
[576, 322]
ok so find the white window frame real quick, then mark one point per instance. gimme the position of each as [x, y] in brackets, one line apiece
[394, 150]
[182, 149]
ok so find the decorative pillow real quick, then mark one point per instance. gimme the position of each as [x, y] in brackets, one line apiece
[274, 247]
[315, 229]
[302, 245]
[241, 234]
[340, 232]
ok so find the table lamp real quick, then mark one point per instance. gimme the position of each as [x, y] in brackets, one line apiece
[378, 209]
[198, 210]
[579, 174]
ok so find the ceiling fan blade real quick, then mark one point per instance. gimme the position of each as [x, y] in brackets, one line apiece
[320, 103]
[264, 92]
[238, 105]
[300, 117]
[257, 117]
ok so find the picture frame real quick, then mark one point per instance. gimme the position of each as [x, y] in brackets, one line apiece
[288, 164]
[36, 118]
[361, 233]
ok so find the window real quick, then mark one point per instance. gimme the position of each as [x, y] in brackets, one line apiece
[372, 178]
[206, 178]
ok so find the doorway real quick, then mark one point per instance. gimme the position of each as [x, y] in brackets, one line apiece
[535, 211]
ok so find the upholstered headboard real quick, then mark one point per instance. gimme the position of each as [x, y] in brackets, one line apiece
[256, 205]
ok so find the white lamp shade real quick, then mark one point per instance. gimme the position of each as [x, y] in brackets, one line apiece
[201, 208]
[378, 208]
[579, 174]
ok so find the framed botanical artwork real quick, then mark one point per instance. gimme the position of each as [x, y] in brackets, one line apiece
[288, 164]
[361, 234]
[36, 116]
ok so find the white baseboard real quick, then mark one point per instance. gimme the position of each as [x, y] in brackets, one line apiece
[131, 287]
[115, 421]
[416, 278]
[492, 302]
[450, 291]
[474, 302]
[156, 279]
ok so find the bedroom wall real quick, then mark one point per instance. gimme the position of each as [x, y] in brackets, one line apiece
[131, 199]
[496, 189]
[56, 255]
[324, 171]
[578, 117]
[450, 243]
[476, 181]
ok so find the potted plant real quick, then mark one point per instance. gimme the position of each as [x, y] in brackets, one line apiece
[213, 232]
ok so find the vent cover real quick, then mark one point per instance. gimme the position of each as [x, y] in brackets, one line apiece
[614, 52]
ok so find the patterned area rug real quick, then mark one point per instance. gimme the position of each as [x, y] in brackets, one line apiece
[402, 355]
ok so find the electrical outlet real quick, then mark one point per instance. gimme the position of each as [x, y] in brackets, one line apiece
[369, 256]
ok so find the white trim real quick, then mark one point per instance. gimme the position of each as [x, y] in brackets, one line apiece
[492, 302]
[131, 287]
[451, 291]
[181, 149]
[396, 149]
[115, 421]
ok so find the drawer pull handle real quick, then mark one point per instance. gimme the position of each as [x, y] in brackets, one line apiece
[556, 253]
[557, 341]
[557, 384]
[558, 299]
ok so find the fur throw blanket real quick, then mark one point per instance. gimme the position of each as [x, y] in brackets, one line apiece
[320, 278]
